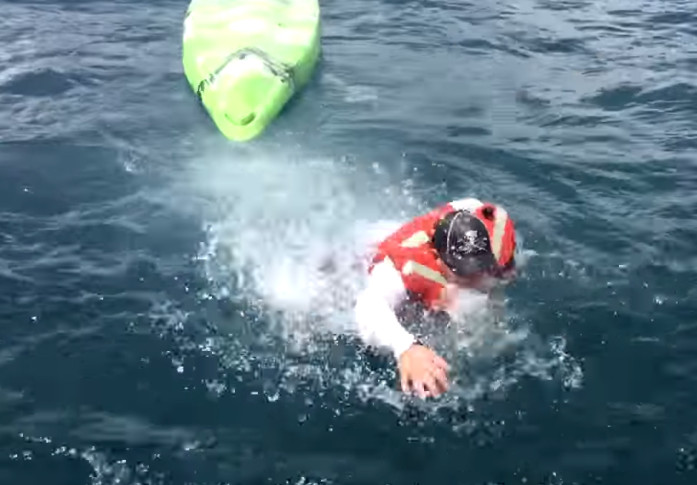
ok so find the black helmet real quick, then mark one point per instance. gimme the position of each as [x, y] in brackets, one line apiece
[462, 242]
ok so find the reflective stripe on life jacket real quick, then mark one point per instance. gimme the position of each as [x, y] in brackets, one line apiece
[417, 239]
[500, 219]
[412, 267]
[501, 233]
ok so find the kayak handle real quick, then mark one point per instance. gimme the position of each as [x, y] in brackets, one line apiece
[278, 69]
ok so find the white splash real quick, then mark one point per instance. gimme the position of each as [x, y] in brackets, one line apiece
[289, 236]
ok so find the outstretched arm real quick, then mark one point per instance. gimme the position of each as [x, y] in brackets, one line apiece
[374, 311]
[420, 369]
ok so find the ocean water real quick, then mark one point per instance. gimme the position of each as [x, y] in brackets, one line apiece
[176, 308]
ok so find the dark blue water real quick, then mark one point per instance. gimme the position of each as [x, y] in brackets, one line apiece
[163, 317]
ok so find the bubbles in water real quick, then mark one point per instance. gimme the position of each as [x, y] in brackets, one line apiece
[105, 470]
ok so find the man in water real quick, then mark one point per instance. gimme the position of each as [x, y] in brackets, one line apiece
[463, 244]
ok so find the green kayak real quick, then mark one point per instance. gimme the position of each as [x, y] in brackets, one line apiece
[245, 59]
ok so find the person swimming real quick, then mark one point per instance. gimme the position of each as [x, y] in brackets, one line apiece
[465, 243]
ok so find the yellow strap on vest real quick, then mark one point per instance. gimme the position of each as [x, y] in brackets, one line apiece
[501, 217]
[415, 240]
[412, 267]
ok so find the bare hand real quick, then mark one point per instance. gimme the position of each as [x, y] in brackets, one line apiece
[423, 371]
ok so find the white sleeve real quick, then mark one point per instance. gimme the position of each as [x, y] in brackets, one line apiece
[374, 311]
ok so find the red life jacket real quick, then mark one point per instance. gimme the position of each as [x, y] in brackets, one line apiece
[412, 253]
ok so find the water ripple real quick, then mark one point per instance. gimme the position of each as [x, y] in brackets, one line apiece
[131, 354]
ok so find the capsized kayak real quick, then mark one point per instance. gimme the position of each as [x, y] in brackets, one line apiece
[245, 59]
